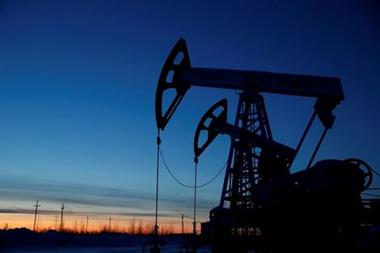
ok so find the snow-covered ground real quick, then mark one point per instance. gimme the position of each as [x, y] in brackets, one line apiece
[169, 249]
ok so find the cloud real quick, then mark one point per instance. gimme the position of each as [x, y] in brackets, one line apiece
[92, 199]
[79, 213]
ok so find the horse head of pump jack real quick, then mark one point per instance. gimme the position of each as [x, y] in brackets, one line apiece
[177, 61]
[208, 125]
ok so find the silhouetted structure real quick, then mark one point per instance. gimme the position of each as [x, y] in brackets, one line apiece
[62, 224]
[86, 224]
[263, 206]
[36, 206]
[182, 224]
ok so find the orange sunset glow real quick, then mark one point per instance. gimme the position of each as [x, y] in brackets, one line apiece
[95, 224]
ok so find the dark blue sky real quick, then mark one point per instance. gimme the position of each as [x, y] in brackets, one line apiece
[77, 84]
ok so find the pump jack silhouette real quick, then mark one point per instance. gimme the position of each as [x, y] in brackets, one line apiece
[263, 206]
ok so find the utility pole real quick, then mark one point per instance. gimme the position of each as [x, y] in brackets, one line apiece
[86, 224]
[35, 215]
[109, 225]
[182, 224]
[61, 226]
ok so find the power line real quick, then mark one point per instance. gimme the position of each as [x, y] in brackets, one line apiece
[186, 185]
[155, 247]
[371, 195]
[195, 196]
[374, 171]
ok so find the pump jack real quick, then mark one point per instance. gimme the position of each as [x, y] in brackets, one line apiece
[263, 206]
